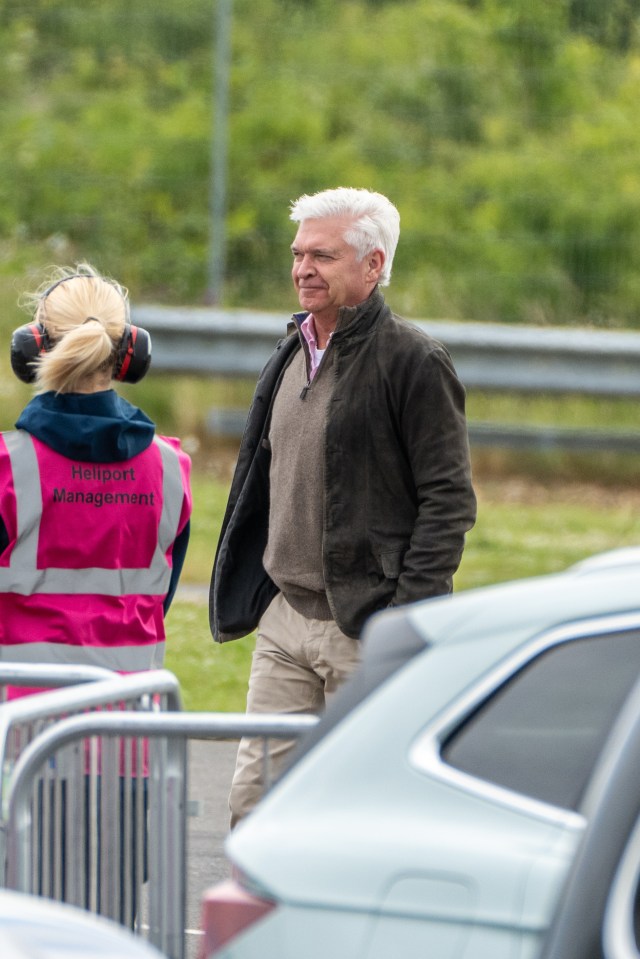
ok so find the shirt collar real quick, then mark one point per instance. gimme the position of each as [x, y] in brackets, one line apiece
[309, 331]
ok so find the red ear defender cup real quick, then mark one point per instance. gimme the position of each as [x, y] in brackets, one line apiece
[133, 360]
[134, 355]
[28, 342]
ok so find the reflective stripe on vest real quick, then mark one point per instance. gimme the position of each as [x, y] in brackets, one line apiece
[122, 659]
[23, 576]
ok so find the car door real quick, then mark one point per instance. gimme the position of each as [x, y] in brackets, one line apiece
[598, 915]
[531, 737]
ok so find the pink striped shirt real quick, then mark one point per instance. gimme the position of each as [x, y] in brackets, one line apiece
[308, 329]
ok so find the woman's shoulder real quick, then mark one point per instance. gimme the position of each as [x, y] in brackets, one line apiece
[175, 444]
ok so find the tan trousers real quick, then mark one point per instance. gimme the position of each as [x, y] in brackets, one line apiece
[297, 664]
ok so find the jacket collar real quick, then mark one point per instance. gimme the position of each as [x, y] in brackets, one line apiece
[352, 320]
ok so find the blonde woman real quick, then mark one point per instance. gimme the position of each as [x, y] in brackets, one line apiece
[94, 506]
[94, 511]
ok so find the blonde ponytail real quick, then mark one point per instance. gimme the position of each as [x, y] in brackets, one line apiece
[84, 316]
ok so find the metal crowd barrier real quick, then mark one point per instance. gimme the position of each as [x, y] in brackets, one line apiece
[77, 793]
[98, 824]
[49, 676]
[33, 676]
[24, 718]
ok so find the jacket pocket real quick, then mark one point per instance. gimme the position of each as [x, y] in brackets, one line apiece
[391, 562]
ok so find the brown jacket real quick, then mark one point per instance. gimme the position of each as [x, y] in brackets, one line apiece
[398, 497]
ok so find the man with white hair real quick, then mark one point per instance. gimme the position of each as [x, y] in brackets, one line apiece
[352, 490]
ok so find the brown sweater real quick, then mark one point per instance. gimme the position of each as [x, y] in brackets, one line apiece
[293, 556]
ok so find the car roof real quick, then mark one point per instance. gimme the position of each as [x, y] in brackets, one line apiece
[602, 585]
[629, 556]
[32, 927]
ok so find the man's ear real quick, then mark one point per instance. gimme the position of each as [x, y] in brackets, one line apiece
[375, 261]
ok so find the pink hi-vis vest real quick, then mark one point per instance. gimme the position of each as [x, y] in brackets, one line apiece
[88, 564]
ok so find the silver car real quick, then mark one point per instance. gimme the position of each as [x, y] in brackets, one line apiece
[439, 809]
[35, 928]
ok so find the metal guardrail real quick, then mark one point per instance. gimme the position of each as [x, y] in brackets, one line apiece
[167, 856]
[236, 343]
[488, 356]
[230, 423]
[546, 439]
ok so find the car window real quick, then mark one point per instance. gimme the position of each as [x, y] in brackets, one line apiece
[541, 732]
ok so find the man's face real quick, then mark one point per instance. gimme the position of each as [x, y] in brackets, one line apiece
[325, 272]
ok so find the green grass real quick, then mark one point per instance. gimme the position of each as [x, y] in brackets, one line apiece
[571, 410]
[212, 677]
[523, 529]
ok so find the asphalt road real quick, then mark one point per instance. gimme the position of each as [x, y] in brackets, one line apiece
[211, 767]
[210, 770]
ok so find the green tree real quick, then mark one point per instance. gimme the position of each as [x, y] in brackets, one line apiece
[505, 131]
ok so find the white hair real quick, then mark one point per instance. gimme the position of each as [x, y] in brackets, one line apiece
[376, 222]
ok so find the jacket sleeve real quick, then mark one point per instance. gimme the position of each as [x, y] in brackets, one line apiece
[434, 432]
[8, 519]
[240, 588]
[178, 554]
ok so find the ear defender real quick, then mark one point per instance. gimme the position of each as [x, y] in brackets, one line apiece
[133, 353]
[28, 342]
[133, 357]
